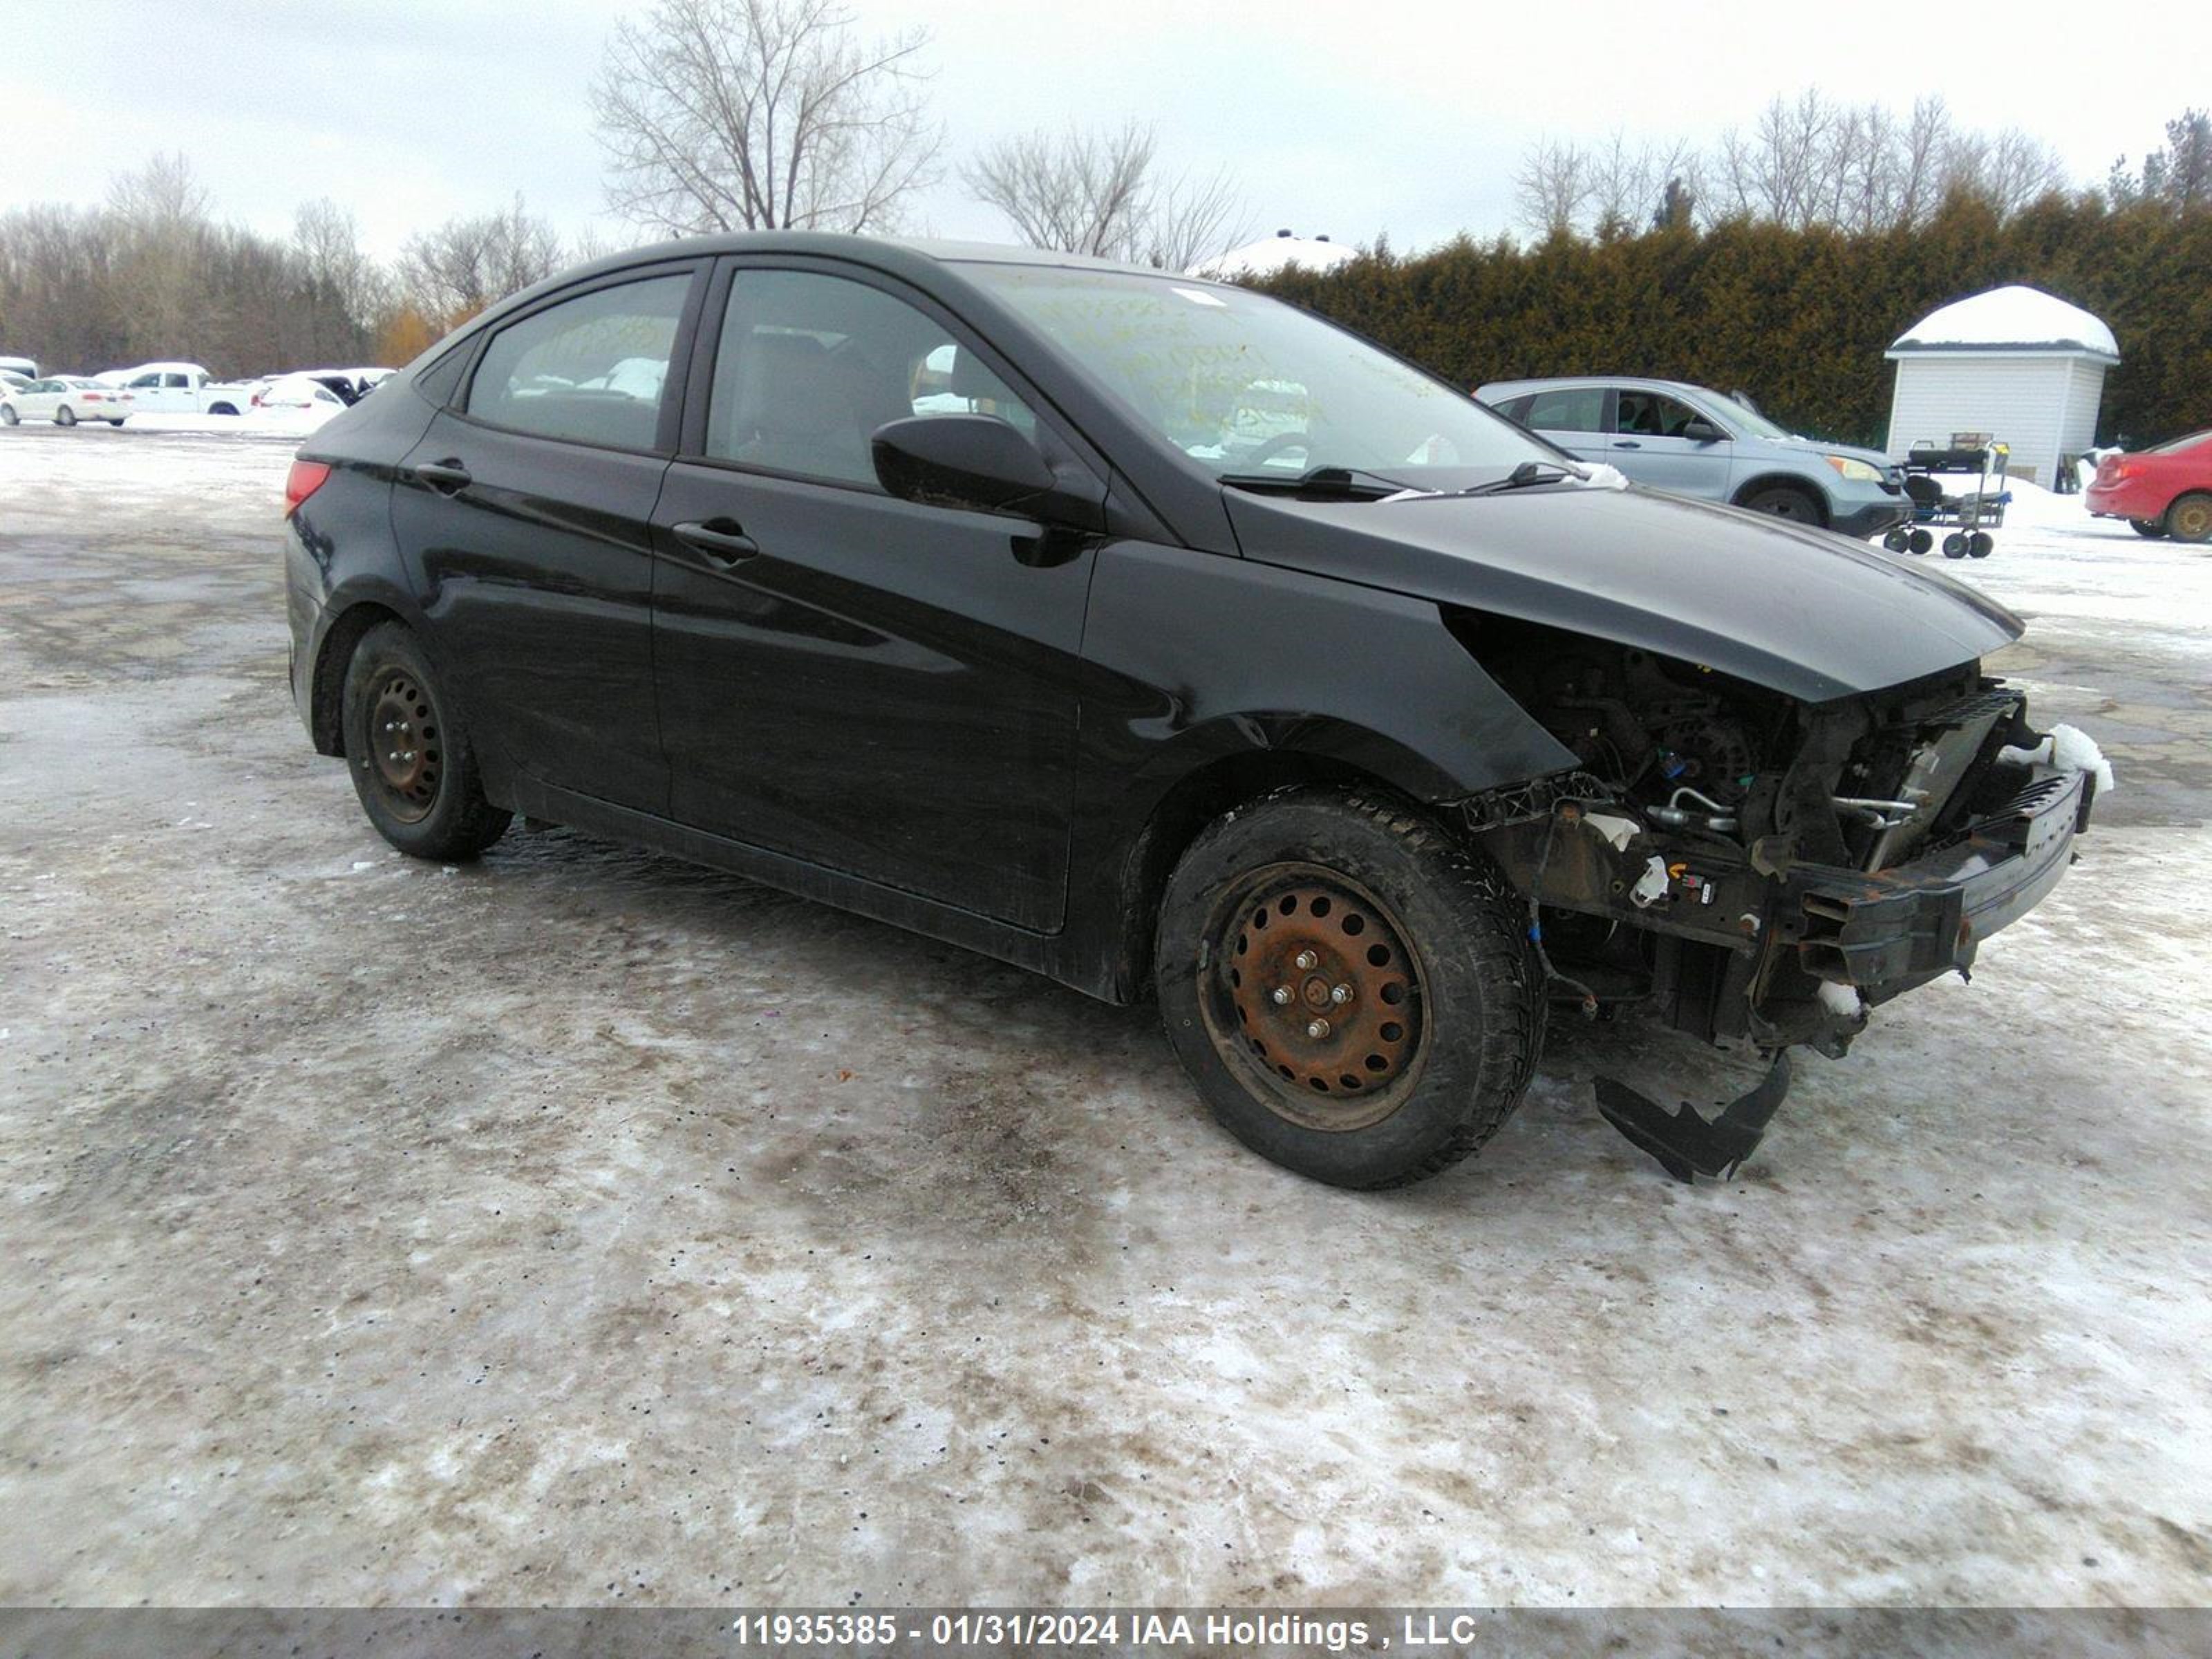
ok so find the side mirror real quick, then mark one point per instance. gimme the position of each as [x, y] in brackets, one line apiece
[1702, 432]
[976, 461]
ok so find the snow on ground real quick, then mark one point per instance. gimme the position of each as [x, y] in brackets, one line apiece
[579, 1222]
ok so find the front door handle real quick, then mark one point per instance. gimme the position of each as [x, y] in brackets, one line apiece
[723, 541]
[1626, 443]
[447, 478]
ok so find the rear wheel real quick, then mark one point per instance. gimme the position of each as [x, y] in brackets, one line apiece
[65, 415]
[1350, 990]
[2154, 528]
[1981, 545]
[1785, 501]
[412, 764]
[2190, 518]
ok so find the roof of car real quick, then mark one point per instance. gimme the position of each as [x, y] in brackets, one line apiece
[1563, 381]
[890, 252]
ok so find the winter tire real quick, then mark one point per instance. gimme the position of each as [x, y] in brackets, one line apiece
[1785, 501]
[412, 765]
[1351, 988]
[2190, 518]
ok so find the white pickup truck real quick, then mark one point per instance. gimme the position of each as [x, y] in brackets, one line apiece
[182, 389]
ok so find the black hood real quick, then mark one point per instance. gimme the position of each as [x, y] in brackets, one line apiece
[1807, 613]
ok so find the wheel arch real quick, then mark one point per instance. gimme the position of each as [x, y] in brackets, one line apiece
[1808, 488]
[327, 694]
[1217, 781]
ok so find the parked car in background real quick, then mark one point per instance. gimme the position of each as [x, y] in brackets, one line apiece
[2162, 492]
[66, 399]
[1692, 440]
[184, 389]
[23, 367]
[11, 382]
[299, 396]
[676, 549]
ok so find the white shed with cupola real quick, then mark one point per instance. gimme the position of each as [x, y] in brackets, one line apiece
[2025, 368]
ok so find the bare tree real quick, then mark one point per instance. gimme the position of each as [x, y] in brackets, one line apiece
[343, 288]
[1191, 220]
[1552, 187]
[1078, 192]
[761, 114]
[162, 237]
[1102, 194]
[452, 273]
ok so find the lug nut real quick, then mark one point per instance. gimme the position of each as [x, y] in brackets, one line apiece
[1307, 959]
[1318, 1030]
[1280, 995]
[1341, 995]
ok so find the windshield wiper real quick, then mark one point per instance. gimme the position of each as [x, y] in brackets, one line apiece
[1350, 482]
[1525, 475]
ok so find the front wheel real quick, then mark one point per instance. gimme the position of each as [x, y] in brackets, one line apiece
[9, 416]
[1350, 989]
[1784, 502]
[413, 766]
[2190, 518]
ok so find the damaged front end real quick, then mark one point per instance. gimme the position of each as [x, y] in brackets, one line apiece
[1752, 870]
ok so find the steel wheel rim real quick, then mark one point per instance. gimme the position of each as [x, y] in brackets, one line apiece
[2193, 520]
[1297, 947]
[402, 751]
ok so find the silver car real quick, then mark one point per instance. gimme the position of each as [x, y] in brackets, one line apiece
[1694, 441]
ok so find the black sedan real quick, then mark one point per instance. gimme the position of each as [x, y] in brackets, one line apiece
[1161, 637]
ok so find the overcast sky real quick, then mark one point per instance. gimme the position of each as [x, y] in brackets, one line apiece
[1338, 120]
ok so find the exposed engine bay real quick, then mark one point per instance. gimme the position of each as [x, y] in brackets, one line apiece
[1740, 865]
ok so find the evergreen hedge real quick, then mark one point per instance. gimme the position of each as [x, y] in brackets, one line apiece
[1799, 319]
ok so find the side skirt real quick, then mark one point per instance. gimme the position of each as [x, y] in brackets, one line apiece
[1049, 954]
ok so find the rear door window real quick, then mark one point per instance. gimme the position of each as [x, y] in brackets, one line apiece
[590, 370]
[1655, 415]
[1565, 408]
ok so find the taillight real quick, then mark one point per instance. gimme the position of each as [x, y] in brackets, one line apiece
[305, 478]
[2127, 469]
[92, 396]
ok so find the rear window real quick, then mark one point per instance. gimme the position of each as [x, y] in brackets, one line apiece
[1566, 409]
[590, 370]
[2174, 446]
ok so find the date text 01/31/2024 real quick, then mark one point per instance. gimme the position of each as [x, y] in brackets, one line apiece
[1011, 1629]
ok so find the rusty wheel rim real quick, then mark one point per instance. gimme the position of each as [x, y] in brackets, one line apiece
[402, 747]
[1316, 997]
[2192, 520]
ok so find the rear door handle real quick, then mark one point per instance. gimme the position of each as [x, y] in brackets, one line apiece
[447, 478]
[1626, 443]
[723, 541]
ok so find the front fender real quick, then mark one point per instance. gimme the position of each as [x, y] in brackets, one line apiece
[1191, 656]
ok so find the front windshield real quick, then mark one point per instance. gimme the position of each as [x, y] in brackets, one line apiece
[1745, 416]
[1250, 387]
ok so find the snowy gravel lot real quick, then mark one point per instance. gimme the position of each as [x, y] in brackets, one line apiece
[580, 1226]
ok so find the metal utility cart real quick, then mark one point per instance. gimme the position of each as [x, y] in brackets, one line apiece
[1972, 510]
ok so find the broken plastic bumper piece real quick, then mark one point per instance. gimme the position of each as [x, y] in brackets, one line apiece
[1685, 1143]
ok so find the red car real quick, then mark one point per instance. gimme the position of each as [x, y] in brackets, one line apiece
[2166, 491]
